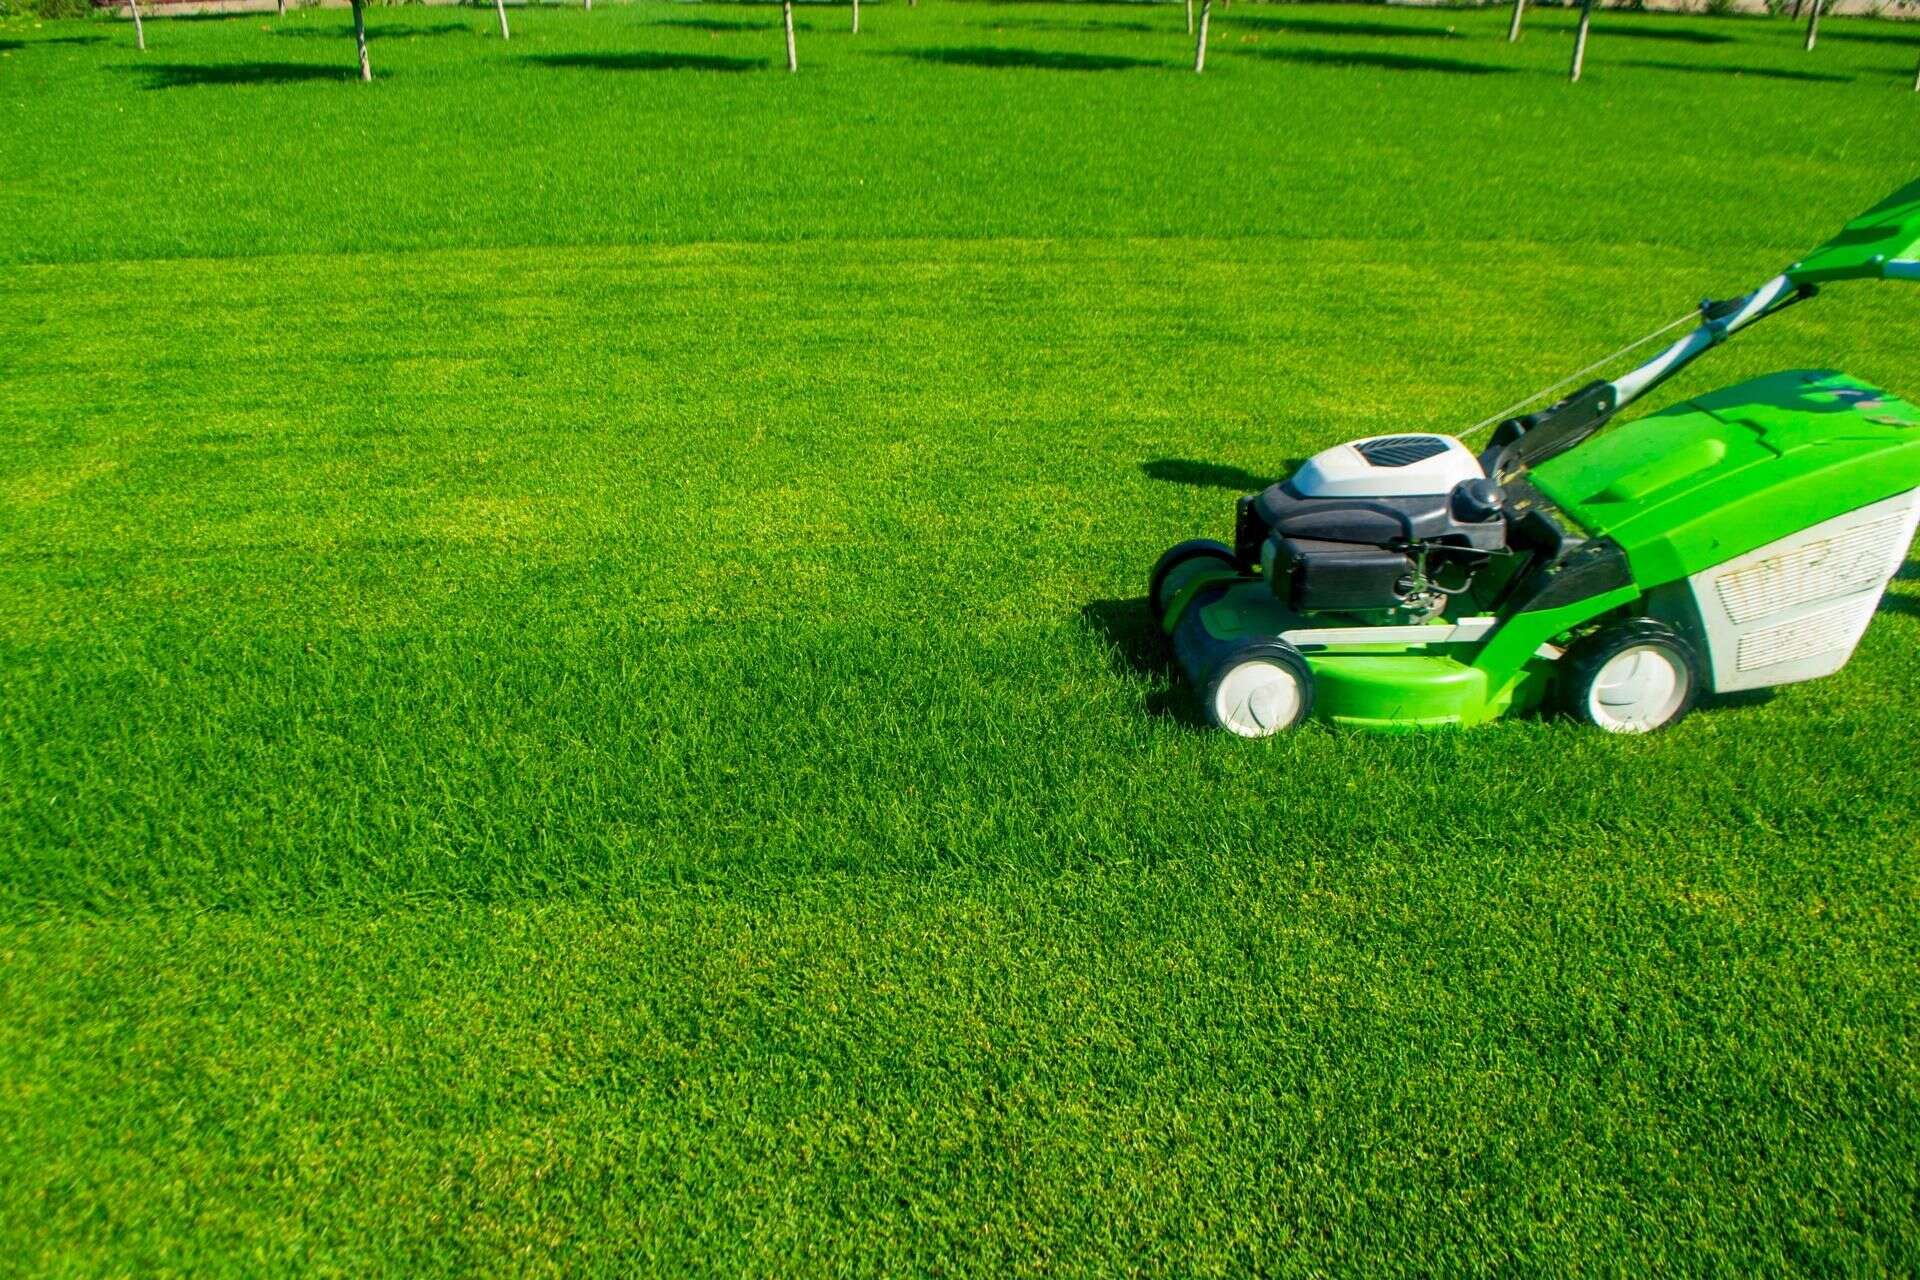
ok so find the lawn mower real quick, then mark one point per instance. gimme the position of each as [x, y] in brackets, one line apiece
[1612, 570]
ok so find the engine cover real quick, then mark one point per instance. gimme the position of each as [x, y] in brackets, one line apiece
[1387, 467]
[1360, 526]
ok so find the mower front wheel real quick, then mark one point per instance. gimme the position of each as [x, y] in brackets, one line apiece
[1174, 569]
[1634, 676]
[1261, 689]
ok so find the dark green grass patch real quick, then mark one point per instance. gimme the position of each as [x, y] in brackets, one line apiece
[574, 694]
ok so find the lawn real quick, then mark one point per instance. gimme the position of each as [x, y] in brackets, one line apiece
[574, 693]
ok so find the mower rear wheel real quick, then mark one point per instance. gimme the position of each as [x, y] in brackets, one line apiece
[1631, 677]
[1172, 570]
[1262, 688]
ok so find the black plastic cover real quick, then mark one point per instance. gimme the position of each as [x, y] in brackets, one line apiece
[1376, 522]
[1589, 569]
[1555, 430]
[1337, 576]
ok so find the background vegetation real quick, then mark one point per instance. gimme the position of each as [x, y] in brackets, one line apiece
[573, 693]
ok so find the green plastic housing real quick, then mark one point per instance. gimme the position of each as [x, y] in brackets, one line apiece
[1710, 479]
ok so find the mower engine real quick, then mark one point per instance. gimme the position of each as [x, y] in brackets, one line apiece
[1388, 526]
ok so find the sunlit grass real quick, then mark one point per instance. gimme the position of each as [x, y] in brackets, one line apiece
[573, 693]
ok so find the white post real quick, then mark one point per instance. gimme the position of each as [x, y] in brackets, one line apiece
[1189, 17]
[500, 7]
[1513, 31]
[856, 17]
[1916, 77]
[1580, 38]
[283, 7]
[1813, 25]
[139, 32]
[1200, 45]
[360, 38]
[587, 5]
[786, 17]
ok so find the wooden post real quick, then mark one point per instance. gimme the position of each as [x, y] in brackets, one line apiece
[1200, 45]
[360, 38]
[1813, 25]
[786, 17]
[139, 32]
[1580, 38]
[1513, 31]
[856, 17]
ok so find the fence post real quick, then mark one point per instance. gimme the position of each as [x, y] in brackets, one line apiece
[1580, 39]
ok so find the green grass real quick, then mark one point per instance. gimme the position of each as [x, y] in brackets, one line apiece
[573, 692]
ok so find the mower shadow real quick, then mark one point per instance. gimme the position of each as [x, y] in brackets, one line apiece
[188, 75]
[1891, 603]
[1383, 61]
[650, 61]
[1744, 699]
[1034, 59]
[1140, 652]
[1212, 475]
[1909, 605]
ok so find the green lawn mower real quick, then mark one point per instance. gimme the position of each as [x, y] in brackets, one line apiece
[1616, 571]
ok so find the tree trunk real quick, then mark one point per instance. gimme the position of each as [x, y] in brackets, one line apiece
[786, 18]
[500, 7]
[1189, 17]
[139, 32]
[1580, 38]
[360, 38]
[587, 5]
[283, 8]
[1200, 44]
[1813, 25]
[856, 17]
[1513, 31]
[1916, 77]
[1795, 15]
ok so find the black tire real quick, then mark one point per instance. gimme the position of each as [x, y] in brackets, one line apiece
[1184, 553]
[1261, 715]
[1577, 685]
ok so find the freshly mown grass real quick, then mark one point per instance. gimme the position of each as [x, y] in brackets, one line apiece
[573, 691]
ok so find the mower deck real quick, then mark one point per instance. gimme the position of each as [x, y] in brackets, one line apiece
[1363, 677]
